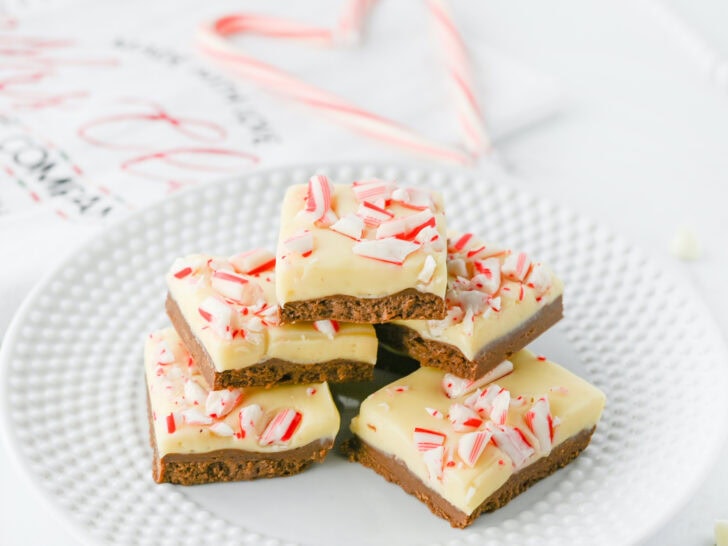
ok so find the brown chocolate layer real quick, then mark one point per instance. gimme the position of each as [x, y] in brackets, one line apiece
[227, 465]
[268, 373]
[395, 471]
[449, 358]
[408, 304]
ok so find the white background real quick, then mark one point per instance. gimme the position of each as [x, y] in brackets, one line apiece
[640, 144]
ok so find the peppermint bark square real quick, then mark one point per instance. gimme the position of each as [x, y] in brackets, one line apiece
[498, 301]
[202, 436]
[366, 252]
[226, 313]
[464, 447]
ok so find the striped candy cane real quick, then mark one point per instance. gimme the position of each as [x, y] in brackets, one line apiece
[353, 19]
[213, 42]
[458, 65]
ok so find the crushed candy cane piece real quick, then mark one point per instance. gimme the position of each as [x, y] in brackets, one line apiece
[428, 269]
[215, 264]
[184, 267]
[499, 407]
[372, 189]
[253, 262]
[512, 442]
[438, 327]
[254, 324]
[219, 315]
[350, 225]
[318, 200]
[455, 386]
[165, 355]
[426, 439]
[482, 400]
[182, 273]
[541, 423]
[221, 429]
[392, 228]
[234, 286]
[372, 215]
[192, 416]
[471, 446]
[516, 266]
[539, 279]
[219, 403]
[310, 391]
[463, 418]
[194, 393]
[327, 327]
[390, 250]
[468, 322]
[281, 428]
[430, 237]
[456, 267]
[250, 418]
[489, 274]
[415, 198]
[474, 301]
[462, 242]
[301, 243]
[476, 252]
[406, 227]
[433, 459]
[434, 413]
[171, 423]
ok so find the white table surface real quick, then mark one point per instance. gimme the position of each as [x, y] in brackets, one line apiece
[641, 146]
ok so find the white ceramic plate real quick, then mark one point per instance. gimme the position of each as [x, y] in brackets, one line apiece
[73, 394]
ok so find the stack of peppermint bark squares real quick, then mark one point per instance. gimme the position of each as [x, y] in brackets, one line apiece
[238, 389]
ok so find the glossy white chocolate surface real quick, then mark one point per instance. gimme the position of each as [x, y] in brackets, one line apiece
[333, 268]
[494, 310]
[255, 335]
[171, 401]
[388, 418]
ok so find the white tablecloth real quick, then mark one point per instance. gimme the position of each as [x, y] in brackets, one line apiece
[604, 110]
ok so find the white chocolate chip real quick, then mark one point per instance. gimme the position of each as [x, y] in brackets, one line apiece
[684, 245]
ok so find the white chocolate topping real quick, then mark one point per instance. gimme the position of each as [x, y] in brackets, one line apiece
[235, 315]
[466, 447]
[490, 292]
[366, 239]
[188, 418]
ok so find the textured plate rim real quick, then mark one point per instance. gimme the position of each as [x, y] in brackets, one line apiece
[81, 533]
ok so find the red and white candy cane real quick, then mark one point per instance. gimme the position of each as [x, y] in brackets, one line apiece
[352, 20]
[213, 42]
[458, 64]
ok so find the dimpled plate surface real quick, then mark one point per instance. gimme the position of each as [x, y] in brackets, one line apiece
[75, 417]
